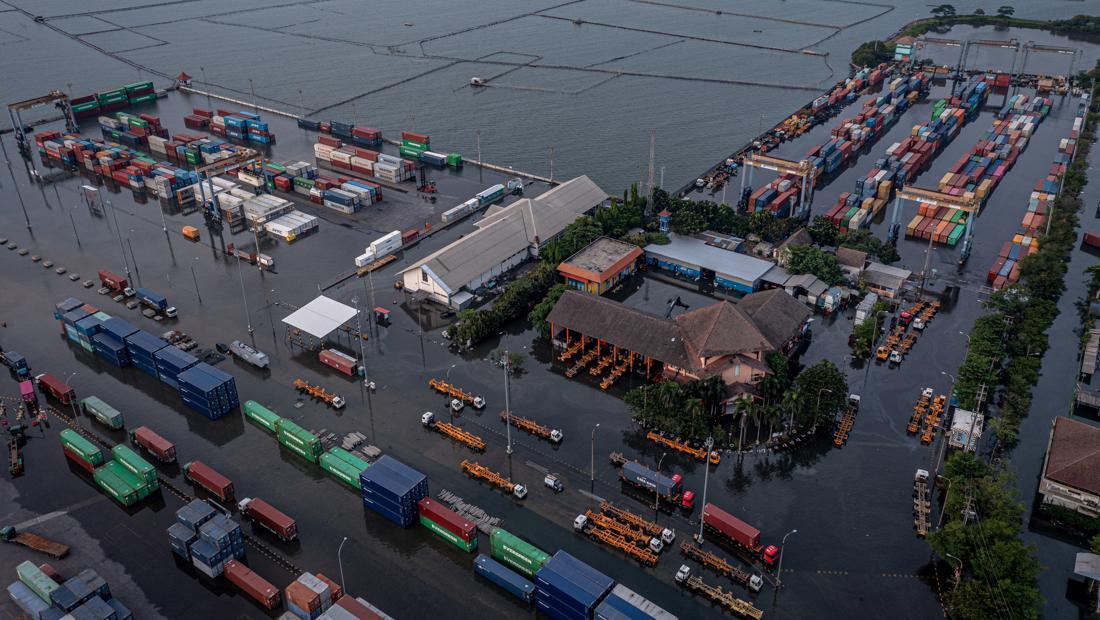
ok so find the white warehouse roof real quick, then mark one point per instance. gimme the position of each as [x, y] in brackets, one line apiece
[320, 317]
[696, 253]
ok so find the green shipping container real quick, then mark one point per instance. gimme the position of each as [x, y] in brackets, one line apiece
[448, 536]
[137, 465]
[414, 145]
[304, 182]
[143, 99]
[522, 556]
[956, 234]
[39, 582]
[344, 472]
[349, 458]
[82, 447]
[137, 122]
[278, 167]
[454, 160]
[261, 415]
[136, 86]
[86, 106]
[116, 487]
[298, 440]
[140, 486]
[192, 158]
[410, 152]
[102, 412]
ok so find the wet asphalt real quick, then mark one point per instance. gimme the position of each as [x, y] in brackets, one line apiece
[854, 554]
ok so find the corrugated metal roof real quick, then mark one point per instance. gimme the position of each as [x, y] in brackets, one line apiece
[695, 253]
[507, 231]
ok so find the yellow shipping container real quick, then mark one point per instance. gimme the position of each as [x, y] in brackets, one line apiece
[911, 229]
[884, 189]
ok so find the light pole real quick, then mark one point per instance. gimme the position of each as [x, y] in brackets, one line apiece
[706, 471]
[507, 406]
[15, 184]
[196, 280]
[782, 548]
[133, 258]
[946, 496]
[73, 222]
[340, 561]
[958, 569]
[359, 329]
[657, 489]
[244, 298]
[447, 380]
[118, 232]
[593, 465]
[72, 401]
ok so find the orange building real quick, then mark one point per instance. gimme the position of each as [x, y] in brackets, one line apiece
[600, 265]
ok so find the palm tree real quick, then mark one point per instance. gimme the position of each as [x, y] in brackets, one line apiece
[694, 408]
[742, 408]
[792, 404]
[773, 414]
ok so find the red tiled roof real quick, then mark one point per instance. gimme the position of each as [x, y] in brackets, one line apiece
[1074, 457]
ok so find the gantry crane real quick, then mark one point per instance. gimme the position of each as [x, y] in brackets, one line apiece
[803, 168]
[55, 98]
[967, 202]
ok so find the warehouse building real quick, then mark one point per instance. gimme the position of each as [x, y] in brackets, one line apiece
[600, 265]
[708, 263]
[727, 340]
[1071, 470]
[505, 238]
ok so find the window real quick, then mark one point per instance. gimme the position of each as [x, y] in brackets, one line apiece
[737, 370]
[423, 276]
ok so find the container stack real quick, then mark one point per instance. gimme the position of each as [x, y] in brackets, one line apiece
[448, 524]
[208, 390]
[340, 157]
[205, 538]
[298, 440]
[566, 588]
[392, 489]
[380, 247]
[504, 577]
[856, 209]
[252, 584]
[518, 554]
[41, 594]
[171, 361]
[311, 595]
[262, 416]
[1005, 269]
[142, 347]
[241, 126]
[343, 466]
[348, 608]
[777, 197]
[85, 106]
[198, 119]
[109, 342]
[81, 452]
[626, 603]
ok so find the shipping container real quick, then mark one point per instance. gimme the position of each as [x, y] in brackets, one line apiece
[393, 489]
[504, 577]
[733, 530]
[453, 522]
[625, 604]
[269, 517]
[518, 554]
[255, 586]
[203, 475]
[162, 449]
[55, 387]
[102, 412]
[264, 417]
[566, 587]
[86, 451]
[340, 361]
[298, 440]
[341, 470]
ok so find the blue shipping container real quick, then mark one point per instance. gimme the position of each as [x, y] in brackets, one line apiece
[504, 577]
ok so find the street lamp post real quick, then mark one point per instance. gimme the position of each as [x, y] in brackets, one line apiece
[593, 465]
[657, 489]
[244, 298]
[447, 379]
[958, 569]
[133, 257]
[340, 561]
[359, 328]
[73, 222]
[196, 281]
[779, 570]
[507, 405]
[706, 471]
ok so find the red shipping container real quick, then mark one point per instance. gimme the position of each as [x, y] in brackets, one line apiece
[202, 112]
[366, 153]
[409, 235]
[79, 462]
[149, 118]
[416, 137]
[154, 443]
[335, 589]
[304, 598]
[448, 519]
[224, 112]
[330, 141]
[367, 132]
[284, 183]
[325, 127]
[203, 475]
[252, 584]
[357, 609]
[51, 572]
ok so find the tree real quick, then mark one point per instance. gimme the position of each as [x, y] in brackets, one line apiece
[808, 259]
[823, 230]
[865, 334]
[979, 11]
[823, 391]
[1005, 11]
[538, 314]
[873, 53]
[943, 10]
[866, 241]
[580, 233]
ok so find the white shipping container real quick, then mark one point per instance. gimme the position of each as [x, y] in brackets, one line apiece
[322, 151]
[223, 183]
[335, 206]
[362, 162]
[218, 120]
[364, 259]
[386, 243]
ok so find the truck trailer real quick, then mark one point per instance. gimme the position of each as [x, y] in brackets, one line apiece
[270, 517]
[737, 534]
[669, 490]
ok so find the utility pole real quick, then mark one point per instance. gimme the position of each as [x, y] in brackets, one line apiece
[507, 404]
[652, 162]
[706, 471]
[15, 184]
[244, 298]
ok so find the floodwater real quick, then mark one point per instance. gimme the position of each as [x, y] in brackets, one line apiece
[854, 555]
[579, 82]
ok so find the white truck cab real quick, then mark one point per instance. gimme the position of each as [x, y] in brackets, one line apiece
[552, 482]
[457, 405]
[427, 418]
[519, 491]
[683, 574]
[479, 402]
[580, 523]
[556, 436]
[338, 402]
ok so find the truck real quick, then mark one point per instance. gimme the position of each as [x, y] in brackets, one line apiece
[54, 387]
[248, 354]
[17, 363]
[162, 449]
[30, 397]
[156, 301]
[252, 584]
[270, 517]
[203, 475]
[113, 282]
[666, 489]
[35, 542]
[737, 534]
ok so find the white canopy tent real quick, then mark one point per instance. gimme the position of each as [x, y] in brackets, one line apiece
[320, 317]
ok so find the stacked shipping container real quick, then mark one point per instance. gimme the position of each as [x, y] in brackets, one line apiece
[206, 538]
[392, 489]
[41, 594]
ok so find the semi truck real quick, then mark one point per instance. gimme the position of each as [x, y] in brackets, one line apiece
[113, 281]
[739, 535]
[17, 363]
[248, 354]
[156, 302]
[55, 387]
[203, 475]
[30, 397]
[270, 517]
[154, 444]
[669, 490]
